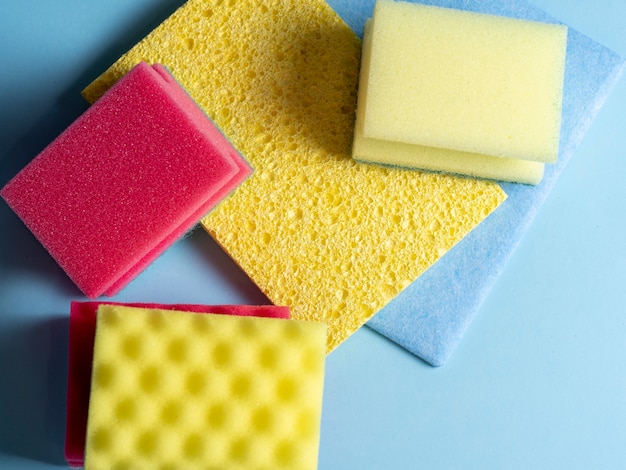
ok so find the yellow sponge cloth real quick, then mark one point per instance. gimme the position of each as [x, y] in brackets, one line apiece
[330, 238]
[174, 390]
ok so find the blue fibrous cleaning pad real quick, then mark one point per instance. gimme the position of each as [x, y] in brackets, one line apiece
[430, 316]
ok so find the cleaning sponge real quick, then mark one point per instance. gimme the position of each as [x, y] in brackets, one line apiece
[460, 91]
[330, 238]
[176, 389]
[431, 317]
[125, 180]
[80, 359]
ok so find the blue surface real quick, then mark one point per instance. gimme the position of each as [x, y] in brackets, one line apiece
[539, 380]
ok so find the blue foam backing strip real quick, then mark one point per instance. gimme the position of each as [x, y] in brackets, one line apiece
[430, 316]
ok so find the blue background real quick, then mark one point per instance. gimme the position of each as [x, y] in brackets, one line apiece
[539, 380]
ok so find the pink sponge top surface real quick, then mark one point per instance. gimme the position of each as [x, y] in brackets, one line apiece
[130, 176]
[82, 335]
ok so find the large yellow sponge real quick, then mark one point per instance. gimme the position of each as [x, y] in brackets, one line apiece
[332, 239]
[459, 91]
[181, 390]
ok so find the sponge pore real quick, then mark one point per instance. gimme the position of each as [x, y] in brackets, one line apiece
[176, 389]
[332, 239]
[125, 180]
[80, 359]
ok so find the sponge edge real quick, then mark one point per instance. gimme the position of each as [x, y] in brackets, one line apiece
[82, 333]
[125, 180]
[173, 389]
[447, 161]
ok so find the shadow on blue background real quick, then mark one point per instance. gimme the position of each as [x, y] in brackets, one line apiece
[60, 116]
[33, 361]
[22, 256]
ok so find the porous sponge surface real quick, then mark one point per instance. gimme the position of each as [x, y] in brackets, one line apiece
[332, 239]
[125, 180]
[465, 81]
[177, 390]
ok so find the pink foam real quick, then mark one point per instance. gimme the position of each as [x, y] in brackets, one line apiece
[128, 178]
[82, 334]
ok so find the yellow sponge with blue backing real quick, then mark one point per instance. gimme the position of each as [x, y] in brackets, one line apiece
[173, 389]
[332, 239]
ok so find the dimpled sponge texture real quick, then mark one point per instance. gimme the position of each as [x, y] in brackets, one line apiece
[464, 81]
[332, 239]
[177, 390]
[125, 180]
[80, 359]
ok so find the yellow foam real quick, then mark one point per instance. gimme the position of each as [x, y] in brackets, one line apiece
[465, 81]
[332, 239]
[405, 154]
[179, 390]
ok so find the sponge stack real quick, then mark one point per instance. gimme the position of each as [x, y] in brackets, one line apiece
[175, 389]
[333, 240]
[125, 180]
[461, 92]
[83, 319]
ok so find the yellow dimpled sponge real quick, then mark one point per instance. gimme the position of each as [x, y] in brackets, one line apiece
[181, 390]
[330, 238]
[459, 91]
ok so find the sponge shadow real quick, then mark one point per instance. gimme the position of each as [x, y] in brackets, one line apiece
[33, 361]
[218, 261]
[314, 85]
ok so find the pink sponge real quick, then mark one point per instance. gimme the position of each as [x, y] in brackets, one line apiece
[81, 343]
[130, 176]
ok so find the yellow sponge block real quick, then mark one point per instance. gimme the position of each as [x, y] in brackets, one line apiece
[459, 91]
[330, 238]
[174, 390]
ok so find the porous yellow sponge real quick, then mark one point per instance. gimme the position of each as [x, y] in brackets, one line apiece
[330, 238]
[459, 91]
[181, 390]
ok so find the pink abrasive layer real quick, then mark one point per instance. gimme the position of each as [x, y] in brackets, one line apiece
[123, 182]
[82, 334]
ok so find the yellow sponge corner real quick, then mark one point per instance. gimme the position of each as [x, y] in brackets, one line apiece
[174, 390]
